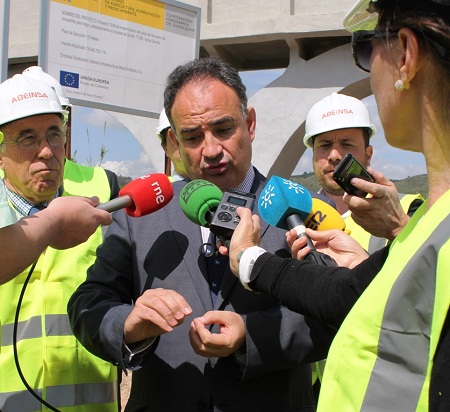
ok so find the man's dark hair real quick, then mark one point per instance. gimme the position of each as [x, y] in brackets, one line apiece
[202, 69]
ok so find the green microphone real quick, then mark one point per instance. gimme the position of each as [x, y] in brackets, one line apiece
[199, 200]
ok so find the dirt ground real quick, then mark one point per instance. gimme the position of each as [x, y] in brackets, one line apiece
[125, 386]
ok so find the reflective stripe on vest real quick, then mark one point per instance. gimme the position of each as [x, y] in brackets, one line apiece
[61, 396]
[382, 355]
[55, 325]
[412, 293]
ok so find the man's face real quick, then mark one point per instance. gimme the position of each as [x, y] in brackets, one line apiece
[215, 140]
[329, 149]
[37, 174]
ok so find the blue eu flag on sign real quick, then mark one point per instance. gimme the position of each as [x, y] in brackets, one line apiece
[69, 79]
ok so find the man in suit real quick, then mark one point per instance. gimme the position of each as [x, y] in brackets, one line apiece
[149, 277]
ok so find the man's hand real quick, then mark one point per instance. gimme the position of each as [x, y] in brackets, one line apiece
[380, 214]
[341, 247]
[247, 234]
[73, 219]
[228, 341]
[155, 312]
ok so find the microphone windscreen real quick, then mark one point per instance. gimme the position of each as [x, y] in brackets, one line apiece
[281, 198]
[149, 193]
[324, 217]
[199, 200]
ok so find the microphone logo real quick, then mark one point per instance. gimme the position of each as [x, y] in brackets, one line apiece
[315, 220]
[193, 186]
[269, 191]
[266, 196]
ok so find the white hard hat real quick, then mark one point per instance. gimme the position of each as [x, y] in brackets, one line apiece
[362, 16]
[163, 124]
[336, 111]
[36, 72]
[22, 96]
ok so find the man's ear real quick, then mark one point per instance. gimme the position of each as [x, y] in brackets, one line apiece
[171, 135]
[369, 153]
[251, 122]
[1, 152]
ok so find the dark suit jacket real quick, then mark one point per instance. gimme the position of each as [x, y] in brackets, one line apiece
[161, 250]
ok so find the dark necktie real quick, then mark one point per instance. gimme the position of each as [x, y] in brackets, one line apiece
[216, 265]
[36, 209]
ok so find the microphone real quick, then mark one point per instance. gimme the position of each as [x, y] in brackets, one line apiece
[324, 217]
[142, 196]
[205, 205]
[199, 200]
[286, 205]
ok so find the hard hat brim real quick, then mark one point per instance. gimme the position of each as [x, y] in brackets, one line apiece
[361, 16]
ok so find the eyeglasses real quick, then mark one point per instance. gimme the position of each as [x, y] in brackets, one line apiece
[30, 141]
[362, 46]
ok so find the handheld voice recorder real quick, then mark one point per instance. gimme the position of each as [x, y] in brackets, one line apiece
[225, 217]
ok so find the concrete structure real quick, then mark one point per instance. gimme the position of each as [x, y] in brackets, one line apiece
[306, 37]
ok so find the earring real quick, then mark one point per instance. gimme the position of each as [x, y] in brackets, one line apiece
[399, 85]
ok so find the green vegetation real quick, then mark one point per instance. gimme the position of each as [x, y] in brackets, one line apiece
[412, 184]
[123, 180]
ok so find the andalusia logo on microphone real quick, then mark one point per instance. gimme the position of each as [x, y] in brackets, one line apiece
[69, 79]
[276, 185]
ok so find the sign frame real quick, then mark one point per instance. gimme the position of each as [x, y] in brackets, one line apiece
[82, 47]
[4, 39]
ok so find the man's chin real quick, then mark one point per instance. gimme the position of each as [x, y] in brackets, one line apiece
[334, 189]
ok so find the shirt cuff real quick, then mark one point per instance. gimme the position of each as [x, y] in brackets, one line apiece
[133, 354]
[246, 264]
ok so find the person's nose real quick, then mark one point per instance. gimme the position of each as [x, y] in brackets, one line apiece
[45, 151]
[334, 155]
[212, 146]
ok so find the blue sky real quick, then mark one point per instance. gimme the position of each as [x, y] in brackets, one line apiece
[93, 128]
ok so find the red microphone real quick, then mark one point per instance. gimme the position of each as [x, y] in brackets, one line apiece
[142, 196]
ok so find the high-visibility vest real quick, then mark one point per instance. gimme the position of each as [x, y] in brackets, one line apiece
[371, 244]
[382, 356]
[53, 362]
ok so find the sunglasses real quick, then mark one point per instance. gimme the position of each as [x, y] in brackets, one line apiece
[362, 46]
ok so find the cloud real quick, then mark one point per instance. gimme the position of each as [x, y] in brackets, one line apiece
[131, 168]
[96, 118]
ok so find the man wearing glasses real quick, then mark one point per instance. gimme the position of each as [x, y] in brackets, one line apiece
[34, 172]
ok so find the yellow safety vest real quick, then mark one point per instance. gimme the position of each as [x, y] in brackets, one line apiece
[371, 244]
[53, 362]
[382, 356]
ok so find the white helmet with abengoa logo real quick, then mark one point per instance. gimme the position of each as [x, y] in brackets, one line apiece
[21, 96]
[337, 111]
